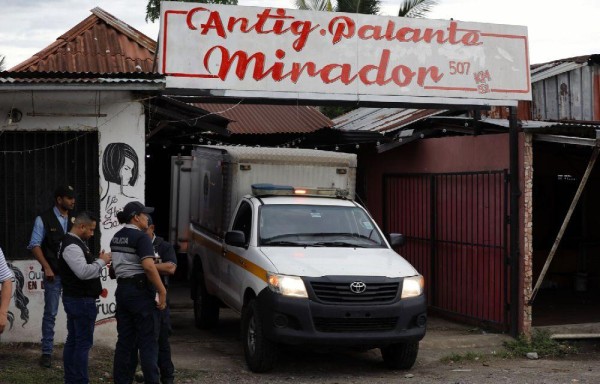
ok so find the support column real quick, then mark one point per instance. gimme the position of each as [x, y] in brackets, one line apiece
[515, 193]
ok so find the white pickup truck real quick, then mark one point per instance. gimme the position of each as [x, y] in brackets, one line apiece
[276, 237]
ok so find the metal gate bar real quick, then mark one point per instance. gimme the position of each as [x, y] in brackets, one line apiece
[455, 227]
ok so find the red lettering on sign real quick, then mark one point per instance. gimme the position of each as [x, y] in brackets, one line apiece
[266, 23]
[341, 27]
[241, 63]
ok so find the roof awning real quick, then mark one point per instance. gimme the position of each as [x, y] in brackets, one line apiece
[174, 120]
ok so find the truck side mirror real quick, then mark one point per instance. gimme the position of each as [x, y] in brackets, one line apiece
[235, 238]
[395, 239]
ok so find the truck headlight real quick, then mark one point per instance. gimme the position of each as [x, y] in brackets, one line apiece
[286, 285]
[413, 286]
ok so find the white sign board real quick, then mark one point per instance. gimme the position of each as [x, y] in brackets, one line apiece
[284, 53]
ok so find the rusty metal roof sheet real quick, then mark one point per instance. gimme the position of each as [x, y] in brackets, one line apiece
[382, 120]
[533, 125]
[8, 78]
[101, 44]
[269, 119]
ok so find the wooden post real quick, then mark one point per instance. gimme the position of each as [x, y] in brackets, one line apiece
[561, 232]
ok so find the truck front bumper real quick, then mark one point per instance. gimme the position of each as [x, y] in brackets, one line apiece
[295, 321]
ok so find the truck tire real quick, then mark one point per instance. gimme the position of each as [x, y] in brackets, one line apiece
[206, 306]
[400, 356]
[260, 352]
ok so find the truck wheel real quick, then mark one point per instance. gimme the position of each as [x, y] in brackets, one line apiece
[206, 306]
[400, 356]
[260, 353]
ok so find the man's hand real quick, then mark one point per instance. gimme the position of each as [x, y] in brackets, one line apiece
[161, 304]
[106, 257]
[49, 273]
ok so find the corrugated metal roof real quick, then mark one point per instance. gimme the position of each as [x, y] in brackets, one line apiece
[382, 120]
[11, 77]
[536, 124]
[503, 122]
[101, 44]
[546, 70]
[269, 119]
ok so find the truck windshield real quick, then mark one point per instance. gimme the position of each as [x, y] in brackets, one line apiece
[317, 226]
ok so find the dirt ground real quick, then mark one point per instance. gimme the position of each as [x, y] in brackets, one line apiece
[216, 357]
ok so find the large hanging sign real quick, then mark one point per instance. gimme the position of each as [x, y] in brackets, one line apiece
[284, 53]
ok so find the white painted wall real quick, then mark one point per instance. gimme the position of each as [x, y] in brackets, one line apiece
[123, 123]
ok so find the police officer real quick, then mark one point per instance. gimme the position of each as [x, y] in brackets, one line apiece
[166, 264]
[140, 295]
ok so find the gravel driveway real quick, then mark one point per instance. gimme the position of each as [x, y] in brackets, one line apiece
[218, 358]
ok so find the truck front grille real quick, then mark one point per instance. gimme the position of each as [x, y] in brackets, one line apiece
[324, 324]
[340, 293]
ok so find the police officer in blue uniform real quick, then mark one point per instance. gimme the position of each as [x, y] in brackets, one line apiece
[166, 264]
[139, 296]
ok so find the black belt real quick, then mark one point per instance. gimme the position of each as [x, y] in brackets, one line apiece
[136, 279]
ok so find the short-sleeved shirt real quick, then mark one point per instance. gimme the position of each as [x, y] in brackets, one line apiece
[166, 254]
[39, 232]
[5, 272]
[129, 246]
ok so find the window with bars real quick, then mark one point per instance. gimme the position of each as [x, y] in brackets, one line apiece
[32, 165]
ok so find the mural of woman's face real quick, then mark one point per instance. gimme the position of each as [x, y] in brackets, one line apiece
[126, 171]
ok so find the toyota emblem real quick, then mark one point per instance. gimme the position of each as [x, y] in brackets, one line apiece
[358, 287]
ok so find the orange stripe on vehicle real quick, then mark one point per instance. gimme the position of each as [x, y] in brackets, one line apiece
[203, 241]
[234, 258]
[247, 265]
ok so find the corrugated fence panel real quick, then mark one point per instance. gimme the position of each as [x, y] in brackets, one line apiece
[565, 96]
[32, 165]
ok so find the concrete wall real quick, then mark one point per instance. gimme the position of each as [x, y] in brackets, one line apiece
[119, 120]
[447, 154]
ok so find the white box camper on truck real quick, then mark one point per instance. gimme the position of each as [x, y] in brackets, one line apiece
[277, 237]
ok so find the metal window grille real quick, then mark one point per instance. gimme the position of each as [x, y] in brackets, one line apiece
[32, 165]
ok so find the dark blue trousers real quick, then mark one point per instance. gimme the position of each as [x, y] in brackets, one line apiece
[137, 321]
[81, 319]
[165, 364]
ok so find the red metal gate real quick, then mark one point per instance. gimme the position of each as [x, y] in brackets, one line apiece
[456, 235]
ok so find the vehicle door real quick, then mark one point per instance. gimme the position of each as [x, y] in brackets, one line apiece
[234, 265]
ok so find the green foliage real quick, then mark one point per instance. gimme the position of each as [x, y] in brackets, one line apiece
[458, 357]
[416, 8]
[334, 111]
[153, 6]
[408, 8]
[366, 7]
[315, 5]
[540, 342]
